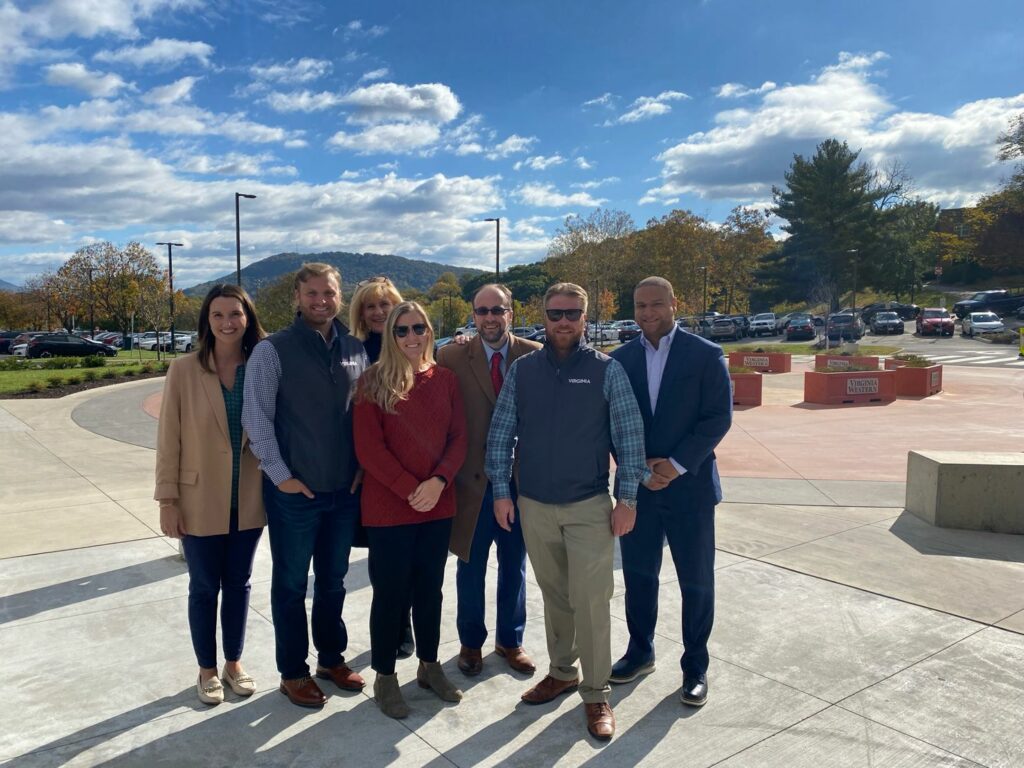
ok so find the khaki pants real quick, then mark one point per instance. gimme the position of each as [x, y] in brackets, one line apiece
[571, 550]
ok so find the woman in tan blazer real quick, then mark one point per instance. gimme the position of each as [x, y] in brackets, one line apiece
[209, 486]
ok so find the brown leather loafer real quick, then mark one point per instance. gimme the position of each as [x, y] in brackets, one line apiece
[342, 676]
[600, 721]
[471, 662]
[548, 689]
[303, 692]
[517, 659]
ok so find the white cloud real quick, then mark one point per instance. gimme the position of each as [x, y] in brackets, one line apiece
[595, 183]
[349, 175]
[375, 74]
[539, 162]
[739, 91]
[583, 163]
[646, 107]
[950, 157]
[179, 90]
[301, 101]
[80, 77]
[606, 100]
[160, 52]
[513, 145]
[469, 148]
[390, 138]
[391, 102]
[546, 196]
[356, 29]
[190, 160]
[302, 70]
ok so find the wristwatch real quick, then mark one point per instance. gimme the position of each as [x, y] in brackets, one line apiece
[630, 503]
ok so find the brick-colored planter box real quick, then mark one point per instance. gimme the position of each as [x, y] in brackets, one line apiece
[849, 388]
[765, 362]
[746, 388]
[918, 382]
[891, 363]
[839, 362]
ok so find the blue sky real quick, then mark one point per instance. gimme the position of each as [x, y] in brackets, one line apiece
[396, 127]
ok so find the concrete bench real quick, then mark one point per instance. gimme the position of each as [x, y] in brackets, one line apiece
[974, 490]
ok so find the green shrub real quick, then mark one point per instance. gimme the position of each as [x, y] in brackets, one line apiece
[110, 373]
[90, 375]
[910, 358]
[36, 386]
[848, 369]
[740, 369]
[12, 364]
[54, 381]
[129, 372]
[74, 379]
[148, 367]
[94, 361]
[57, 363]
[164, 365]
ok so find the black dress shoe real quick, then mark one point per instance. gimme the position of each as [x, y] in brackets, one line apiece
[407, 647]
[695, 690]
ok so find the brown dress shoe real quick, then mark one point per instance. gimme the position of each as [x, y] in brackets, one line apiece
[517, 659]
[304, 692]
[600, 721]
[342, 676]
[548, 689]
[471, 662]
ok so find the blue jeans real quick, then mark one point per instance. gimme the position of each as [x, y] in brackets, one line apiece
[303, 529]
[219, 566]
[470, 579]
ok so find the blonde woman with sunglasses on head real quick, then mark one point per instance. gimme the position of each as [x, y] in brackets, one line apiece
[371, 304]
[410, 437]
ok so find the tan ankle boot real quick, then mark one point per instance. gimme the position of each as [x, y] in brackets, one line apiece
[388, 696]
[431, 675]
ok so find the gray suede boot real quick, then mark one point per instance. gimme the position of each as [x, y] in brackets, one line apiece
[388, 696]
[431, 675]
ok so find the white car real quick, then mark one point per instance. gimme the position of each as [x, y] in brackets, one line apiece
[20, 350]
[981, 322]
[602, 332]
[763, 323]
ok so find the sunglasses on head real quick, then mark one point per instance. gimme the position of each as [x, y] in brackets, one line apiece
[370, 280]
[401, 331]
[484, 311]
[572, 315]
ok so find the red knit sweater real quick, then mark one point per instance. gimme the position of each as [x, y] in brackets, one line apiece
[398, 451]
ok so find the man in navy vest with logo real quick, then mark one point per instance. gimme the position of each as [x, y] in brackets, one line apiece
[565, 408]
[682, 385]
[298, 413]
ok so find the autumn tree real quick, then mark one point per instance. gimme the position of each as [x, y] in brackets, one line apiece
[593, 251]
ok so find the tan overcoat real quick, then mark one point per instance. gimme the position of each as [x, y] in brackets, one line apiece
[193, 454]
[469, 363]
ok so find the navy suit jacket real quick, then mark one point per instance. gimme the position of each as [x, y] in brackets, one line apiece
[691, 416]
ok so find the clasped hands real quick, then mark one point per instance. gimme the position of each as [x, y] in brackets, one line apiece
[662, 473]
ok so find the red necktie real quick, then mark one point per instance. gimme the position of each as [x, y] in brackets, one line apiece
[496, 378]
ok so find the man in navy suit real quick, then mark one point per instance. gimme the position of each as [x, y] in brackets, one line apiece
[682, 384]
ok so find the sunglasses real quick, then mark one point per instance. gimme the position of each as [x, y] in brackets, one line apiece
[371, 280]
[572, 315]
[401, 331]
[484, 311]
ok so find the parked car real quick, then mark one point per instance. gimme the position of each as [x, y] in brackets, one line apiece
[67, 345]
[981, 322]
[742, 322]
[780, 322]
[723, 328]
[601, 333]
[903, 311]
[800, 327]
[6, 338]
[763, 324]
[628, 330]
[935, 321]
[999, 301]
[844, 326]
[19, 350]
[886, 322]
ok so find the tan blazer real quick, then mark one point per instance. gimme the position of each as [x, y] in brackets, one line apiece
[193, 454]
[469, 363]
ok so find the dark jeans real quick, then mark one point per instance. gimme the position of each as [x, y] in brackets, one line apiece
[219, 565]
[303, 529]
[470, 580]
[406, 569]
[690, 531]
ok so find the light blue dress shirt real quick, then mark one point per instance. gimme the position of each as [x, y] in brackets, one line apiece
[656, 359]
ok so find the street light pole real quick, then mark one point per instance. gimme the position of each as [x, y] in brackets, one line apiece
[238, 239]
[497, 247]
[92, 307]
[170, 278]
[704, 311]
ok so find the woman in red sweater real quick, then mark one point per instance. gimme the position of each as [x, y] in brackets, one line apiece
[410, 437]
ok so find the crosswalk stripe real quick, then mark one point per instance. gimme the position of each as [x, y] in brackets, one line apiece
[962, 360]
[990, 361]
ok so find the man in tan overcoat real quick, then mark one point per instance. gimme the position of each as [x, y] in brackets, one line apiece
[481, 365]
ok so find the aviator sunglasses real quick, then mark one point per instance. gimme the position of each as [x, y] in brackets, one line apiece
[484, 311]
[572, 315]
[401, 331]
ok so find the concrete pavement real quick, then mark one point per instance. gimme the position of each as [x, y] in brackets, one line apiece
[848, 633]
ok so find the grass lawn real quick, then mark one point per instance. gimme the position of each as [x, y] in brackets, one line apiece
[811, 349]
[13, 382]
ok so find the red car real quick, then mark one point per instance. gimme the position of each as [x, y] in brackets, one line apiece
[935, 321]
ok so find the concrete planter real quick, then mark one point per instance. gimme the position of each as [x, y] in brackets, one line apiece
[918, 382]
[849, 388]
[765, 362]
[746, 388]
[840, 362]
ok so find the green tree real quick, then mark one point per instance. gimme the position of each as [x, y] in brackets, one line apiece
[592, 251]
[275, 303]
